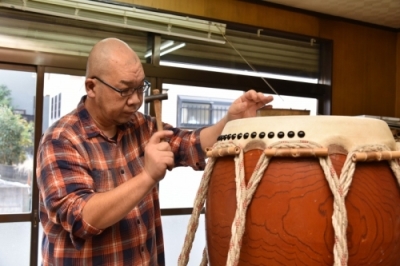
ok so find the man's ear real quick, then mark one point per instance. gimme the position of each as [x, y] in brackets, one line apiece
[89, 86]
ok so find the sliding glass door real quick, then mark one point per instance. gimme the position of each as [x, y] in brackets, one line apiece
[17, 124]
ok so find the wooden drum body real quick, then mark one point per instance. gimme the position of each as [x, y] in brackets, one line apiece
[290, 219]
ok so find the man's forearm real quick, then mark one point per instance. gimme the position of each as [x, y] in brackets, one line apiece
[107, 208]
[209, 135]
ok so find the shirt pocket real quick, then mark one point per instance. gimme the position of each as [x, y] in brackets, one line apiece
[104, 180]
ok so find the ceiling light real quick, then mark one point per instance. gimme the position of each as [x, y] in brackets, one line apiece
[239, 72]
[165, 45]
[176, 47]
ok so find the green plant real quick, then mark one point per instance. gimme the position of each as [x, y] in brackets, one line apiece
[16, 134]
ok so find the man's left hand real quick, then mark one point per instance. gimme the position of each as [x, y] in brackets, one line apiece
[248, 104]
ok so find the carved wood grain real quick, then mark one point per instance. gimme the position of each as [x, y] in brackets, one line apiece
[289, 221]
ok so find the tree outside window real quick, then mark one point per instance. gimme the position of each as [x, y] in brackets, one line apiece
[16, 133]
[16, 153]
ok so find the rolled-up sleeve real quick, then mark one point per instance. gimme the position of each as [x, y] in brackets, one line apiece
[187, 149]
[65, 186]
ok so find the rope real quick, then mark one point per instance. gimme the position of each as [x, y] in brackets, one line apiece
[194, 219]
[340, 187]
[204, 260]
[198, 206]
[244, 193]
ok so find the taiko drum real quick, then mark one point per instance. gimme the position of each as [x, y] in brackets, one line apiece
[289, 220]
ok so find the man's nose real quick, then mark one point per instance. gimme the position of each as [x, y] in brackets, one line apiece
[135, 98]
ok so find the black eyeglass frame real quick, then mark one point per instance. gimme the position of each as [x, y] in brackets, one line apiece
[129, 91]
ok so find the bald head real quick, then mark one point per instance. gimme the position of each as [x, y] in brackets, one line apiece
[107, 55]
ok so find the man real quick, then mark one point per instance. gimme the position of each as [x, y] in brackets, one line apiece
[98, 166]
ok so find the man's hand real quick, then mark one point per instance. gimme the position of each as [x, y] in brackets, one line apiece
[248, 104]
[158, 156]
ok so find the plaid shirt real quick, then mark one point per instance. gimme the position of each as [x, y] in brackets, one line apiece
[76, 160]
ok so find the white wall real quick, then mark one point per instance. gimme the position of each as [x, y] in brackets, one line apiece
[71, 89]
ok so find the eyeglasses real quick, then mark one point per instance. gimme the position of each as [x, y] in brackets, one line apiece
[128, 91]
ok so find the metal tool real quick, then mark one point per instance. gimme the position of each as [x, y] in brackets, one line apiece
[156, 98]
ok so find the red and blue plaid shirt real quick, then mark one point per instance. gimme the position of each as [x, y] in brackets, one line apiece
[76, 160]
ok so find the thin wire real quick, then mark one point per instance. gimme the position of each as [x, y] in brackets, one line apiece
[244, 59]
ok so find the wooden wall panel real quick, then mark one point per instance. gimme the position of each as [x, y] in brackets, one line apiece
[397, 109]
[185, 7]
[380, 74]
[363, 80]
[238, 12]
[351, 54]
[366, 79]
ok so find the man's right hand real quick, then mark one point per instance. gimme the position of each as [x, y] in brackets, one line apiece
[158, 156]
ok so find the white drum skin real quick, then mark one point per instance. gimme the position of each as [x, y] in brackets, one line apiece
[347, 132]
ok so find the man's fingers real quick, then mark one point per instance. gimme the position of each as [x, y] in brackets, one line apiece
[257, 97]
[163, 146]
[268, 99]
[160, 135]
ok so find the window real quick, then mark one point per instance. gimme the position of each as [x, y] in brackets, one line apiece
[273, 56]
[52, 108]
[197, 112]
[56, 106]
[59, 106]
[17, 130]
[17, 91]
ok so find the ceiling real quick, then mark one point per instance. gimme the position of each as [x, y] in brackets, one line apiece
[379, 12]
